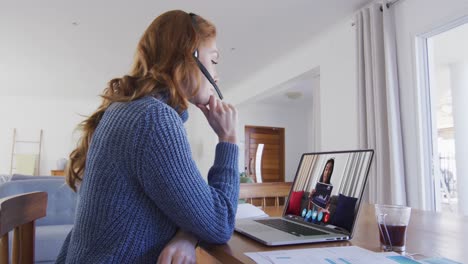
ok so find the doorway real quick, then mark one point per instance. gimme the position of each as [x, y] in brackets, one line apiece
[445, 70]
[266, 144]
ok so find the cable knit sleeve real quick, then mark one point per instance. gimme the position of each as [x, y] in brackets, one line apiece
[170, 177]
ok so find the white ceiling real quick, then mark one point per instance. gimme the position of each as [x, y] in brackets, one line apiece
[304, 84]
[43, 53]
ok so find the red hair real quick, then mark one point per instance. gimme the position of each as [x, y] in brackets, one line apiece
[163, 64]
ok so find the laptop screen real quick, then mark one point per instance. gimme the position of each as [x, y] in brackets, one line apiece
[328, 188]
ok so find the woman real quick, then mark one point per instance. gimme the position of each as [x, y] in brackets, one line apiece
[325, 177]
[141, 195]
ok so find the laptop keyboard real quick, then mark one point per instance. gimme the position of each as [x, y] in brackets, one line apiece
[291, 228]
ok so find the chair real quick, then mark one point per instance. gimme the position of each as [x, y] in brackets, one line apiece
[51, 230]
[264, 191]
[18, 213]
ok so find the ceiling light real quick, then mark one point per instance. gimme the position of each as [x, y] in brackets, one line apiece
[293, 95]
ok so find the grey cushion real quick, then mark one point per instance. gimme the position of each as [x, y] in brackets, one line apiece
[61, 201]
[49, 241]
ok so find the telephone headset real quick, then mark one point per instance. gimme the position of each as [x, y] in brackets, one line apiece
[200, 65]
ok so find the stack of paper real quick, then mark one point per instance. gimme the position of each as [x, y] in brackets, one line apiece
[249, 211]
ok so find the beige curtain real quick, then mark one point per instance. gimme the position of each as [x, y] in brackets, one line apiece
[379, 105]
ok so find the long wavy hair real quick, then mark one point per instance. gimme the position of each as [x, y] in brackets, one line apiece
[163, 64]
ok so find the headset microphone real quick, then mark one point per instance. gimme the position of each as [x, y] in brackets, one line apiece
[207, 74]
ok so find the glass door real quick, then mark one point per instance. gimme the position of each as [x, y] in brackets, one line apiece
[447, 59]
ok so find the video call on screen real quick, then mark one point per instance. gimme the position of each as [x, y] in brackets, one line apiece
[328, 187]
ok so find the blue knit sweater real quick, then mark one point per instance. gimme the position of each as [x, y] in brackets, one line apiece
[141, 185]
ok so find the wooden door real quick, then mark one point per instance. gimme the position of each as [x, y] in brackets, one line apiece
[272, 165]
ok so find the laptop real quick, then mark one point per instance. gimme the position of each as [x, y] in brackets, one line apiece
[323, 203]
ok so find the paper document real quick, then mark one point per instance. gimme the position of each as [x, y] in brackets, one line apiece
[248, 211]
[326, 255]
[416, 259]
[439, 260]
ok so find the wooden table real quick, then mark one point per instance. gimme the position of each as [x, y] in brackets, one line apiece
[429, 234]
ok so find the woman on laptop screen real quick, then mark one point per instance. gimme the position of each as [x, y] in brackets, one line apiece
[319, 198]
[317, 202]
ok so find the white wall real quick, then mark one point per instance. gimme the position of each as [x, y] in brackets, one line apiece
[292, 119]
[313, 118]
[334, 52]
[414, 18]
[459, 80]
[57, 117]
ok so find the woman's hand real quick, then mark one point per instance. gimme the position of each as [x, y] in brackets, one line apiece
[181, 249]
[222, 117]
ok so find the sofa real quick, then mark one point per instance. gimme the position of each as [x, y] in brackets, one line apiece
[51, 230]
[20, 177]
